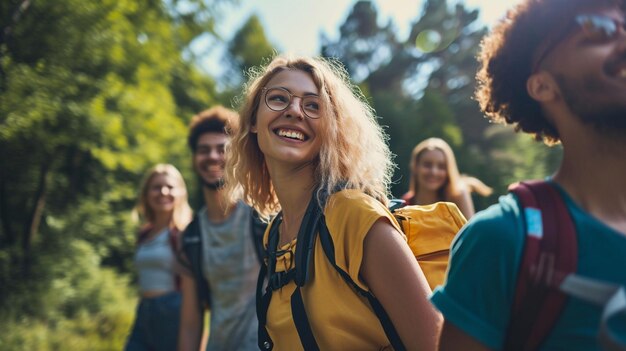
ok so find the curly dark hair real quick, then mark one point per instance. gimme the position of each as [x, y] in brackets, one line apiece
[217, 119]
[506, 59]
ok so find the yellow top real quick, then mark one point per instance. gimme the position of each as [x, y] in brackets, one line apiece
[339, 317]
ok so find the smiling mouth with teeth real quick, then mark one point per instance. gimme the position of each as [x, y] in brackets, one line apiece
[291, 134]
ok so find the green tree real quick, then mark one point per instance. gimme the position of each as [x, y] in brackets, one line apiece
[91, 94]
[363, 45]
[422, 86]
[85, 86]
[416, 84]
[250, 46]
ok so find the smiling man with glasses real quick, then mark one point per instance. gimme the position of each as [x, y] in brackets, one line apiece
[596, 28]
[555, 69]
[221, 247]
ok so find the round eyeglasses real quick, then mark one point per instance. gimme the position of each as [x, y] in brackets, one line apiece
[278, 99]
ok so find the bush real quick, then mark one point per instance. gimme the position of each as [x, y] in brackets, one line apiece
[85, 306]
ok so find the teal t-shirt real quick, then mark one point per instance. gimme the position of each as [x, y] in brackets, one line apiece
[484, 262]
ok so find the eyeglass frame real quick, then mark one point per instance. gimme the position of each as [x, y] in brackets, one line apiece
[291, 96]
[579, 21]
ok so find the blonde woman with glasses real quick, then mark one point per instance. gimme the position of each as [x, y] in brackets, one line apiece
[310, 149]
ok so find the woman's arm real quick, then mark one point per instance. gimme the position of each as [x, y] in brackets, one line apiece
[191, 321]
[390, 270]
[465, 203]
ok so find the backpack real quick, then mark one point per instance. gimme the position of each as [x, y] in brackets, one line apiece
[429, 230]
[192, 253]
[172, 237]
[547, 272]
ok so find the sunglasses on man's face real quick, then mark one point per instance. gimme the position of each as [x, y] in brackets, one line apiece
[600, 27]
[595, 28]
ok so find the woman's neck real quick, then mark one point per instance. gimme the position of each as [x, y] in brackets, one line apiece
[161, 221]
[425, 197]
[294, 189]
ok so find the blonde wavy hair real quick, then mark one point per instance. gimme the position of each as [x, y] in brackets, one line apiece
[182, 213]
[354, 153]
[455, 181]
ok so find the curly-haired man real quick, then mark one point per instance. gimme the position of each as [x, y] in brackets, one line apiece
[221, 246]
[555, 69]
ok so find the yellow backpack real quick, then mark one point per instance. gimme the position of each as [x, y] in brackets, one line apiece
[429, 230]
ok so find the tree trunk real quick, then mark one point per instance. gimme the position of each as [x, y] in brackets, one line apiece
[31, 226]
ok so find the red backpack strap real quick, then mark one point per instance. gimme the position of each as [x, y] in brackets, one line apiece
[143, 233]
[550, 253]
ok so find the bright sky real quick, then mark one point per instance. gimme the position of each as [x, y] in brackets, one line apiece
[295, 25]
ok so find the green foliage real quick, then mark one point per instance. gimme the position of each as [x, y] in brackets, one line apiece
[91, 85]
[106, 331]
[93, 98]
[520, 156]
[91, 95]
[250, 47]
[422, 86]
[73, 304]
[419, 93]
[192, 91]
[363, 45]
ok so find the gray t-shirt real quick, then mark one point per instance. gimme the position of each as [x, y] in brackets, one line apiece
[156, 264]
[231, 266]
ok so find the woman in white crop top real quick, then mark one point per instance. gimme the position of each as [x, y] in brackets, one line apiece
[162, 206]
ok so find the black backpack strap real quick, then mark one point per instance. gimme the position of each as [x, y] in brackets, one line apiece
[262, 304]
[304, 252]
[550, 254]
[300, 316]
[300, 274]
[301, 320]
[306, 241]
[263, 298]
[329, 250]
[192, 249]
[257, 232]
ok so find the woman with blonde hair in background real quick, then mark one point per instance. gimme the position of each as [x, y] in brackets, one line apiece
[435, 177]
[309, 147]
[163, 206]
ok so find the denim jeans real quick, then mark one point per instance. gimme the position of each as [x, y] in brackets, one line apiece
[156, 324]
